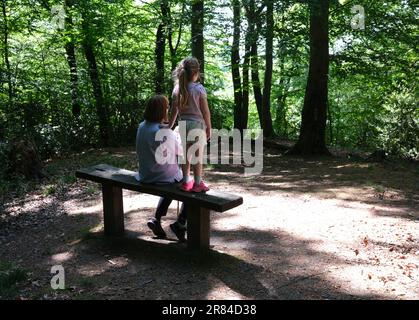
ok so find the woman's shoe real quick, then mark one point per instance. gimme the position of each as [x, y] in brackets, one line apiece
[155, 226]
[179, 231]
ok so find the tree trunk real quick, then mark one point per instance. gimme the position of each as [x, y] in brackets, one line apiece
[281, 111]
[198, 34]
[245, 102]
[71, 60]
[281, 115]
[256, 81]
[161, 46]
[266, 99]
[159, 55]
[246, 80]
[72, 63]
[329, 116]
[70, 57]
[254, 64]
[6, 54]
[235, 67]
[173, 47]
[101, 108]
[313, 124]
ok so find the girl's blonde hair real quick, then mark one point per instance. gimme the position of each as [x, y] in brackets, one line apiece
[182, 75]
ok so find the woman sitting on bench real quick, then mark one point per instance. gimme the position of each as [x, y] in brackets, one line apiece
[152, 171]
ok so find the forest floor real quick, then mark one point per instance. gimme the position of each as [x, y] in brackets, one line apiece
[324, 228]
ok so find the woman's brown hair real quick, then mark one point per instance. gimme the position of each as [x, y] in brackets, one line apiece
[182, 75]
[156, 109]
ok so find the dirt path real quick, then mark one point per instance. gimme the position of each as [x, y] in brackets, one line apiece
[317, 229]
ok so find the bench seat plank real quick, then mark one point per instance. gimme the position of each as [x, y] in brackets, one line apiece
[125, 179]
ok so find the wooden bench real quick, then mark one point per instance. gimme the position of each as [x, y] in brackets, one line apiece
[114, 179]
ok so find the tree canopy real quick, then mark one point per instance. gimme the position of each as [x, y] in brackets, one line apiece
[324, 73]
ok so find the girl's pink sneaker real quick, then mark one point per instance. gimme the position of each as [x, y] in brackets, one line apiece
[187, 186]
[202, 187]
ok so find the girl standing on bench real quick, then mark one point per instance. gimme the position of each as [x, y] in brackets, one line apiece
[190, 103]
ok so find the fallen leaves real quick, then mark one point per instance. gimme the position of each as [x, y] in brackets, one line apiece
[406, 250]
[408, 269]
[376, 260]
[365, 241]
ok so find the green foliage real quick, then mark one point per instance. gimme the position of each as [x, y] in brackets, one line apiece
[49, 190]
[400, 134]
[221, 112]
[369, 73]
[4, 152]
[10, 276]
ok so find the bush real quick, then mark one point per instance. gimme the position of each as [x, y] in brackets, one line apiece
[4, 160]
[10, 276]
[70, 134]
[125, 120]
[400, 134]
[221, 112]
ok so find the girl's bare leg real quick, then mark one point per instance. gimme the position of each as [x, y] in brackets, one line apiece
[197, 168]
[186, 168]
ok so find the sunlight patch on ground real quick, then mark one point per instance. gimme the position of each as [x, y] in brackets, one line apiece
[352, 165]
[221, 291]
[86, 210]
[62, 257]
[91, 270]
[31, 203]
[327, 234]
[103, 265]
[367, 280]
[229, 174]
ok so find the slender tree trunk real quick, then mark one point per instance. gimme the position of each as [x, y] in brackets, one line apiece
[159, 56]
[329, 115]
[254, 64]
[337, 118]
[161, 46]
[246, 69]
[74, 79]
[257, 91]
[198, 34]
[50, 101]
[101, 109]
[235, 67]
[72, 63]
[313, 124]
[70, 51]
[266, 99]
[6, 53]
[121, 71]
[280, 119]
[174, 47]
[245, 102]
[281, 116]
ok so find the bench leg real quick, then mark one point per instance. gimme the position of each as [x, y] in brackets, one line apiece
[198, 228]
[113, 210]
